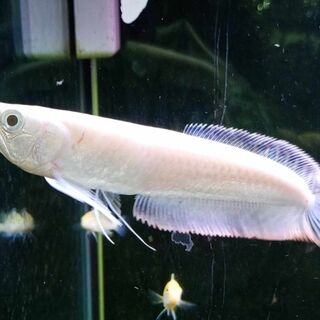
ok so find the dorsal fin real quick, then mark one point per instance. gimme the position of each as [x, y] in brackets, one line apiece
[280, 151]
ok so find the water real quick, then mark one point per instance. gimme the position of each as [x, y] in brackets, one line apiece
[250, 64]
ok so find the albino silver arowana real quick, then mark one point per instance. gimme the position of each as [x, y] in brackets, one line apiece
[208, 180]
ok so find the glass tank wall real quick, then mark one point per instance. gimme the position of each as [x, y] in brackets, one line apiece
[251, 64]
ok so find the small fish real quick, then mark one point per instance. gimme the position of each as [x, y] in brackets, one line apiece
[96, 222]
[207, 180]
[171, 298]
[16, 223]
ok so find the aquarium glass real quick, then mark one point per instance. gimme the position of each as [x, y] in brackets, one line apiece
[250, 64]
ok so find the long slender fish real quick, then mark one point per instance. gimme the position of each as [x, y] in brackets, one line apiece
[208, 180]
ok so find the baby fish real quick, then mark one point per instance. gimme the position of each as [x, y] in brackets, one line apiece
[208, 180]
[95, 222]
[16, 223]
[171, 298]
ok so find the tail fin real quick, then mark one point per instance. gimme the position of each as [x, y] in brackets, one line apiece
[312, 222]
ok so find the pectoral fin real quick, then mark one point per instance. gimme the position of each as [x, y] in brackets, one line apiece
[154, 297]
[96, 201]
[83, 195]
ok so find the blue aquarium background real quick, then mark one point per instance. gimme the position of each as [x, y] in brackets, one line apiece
[251, 64]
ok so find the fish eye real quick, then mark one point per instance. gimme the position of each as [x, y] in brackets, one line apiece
[12, 120]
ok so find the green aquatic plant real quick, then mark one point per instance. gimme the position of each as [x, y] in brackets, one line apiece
[100, 255]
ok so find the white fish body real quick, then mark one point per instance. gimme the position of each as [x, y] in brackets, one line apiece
[208, 180]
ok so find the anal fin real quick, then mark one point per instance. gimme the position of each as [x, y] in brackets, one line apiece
[222, 218]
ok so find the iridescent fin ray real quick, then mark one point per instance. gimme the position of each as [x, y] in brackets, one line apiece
[222, 218]
[280, 151]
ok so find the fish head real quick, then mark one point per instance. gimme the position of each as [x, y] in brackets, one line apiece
[172, 294]
[30, 138]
